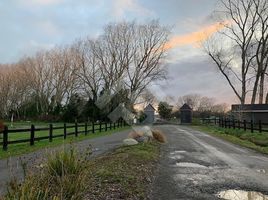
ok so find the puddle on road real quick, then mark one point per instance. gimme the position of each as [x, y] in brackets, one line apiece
[241, 195]
[191, 165]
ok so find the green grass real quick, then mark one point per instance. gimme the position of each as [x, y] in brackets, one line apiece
[257, 141]
[23, 148]
[125, 173]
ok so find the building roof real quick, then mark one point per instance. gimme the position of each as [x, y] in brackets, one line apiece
[249, 107]
[149, 107]
[185, 107]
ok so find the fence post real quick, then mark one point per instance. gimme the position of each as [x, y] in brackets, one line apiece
[86, 128]
[105, 126]
[32, 135]
[229, 123]
[76, 129]
[225, 123]
[245, 125]
[118, 124]
[260, 126]
[239, 124]
[100, 126]
[233, 123]
[251, 126]
[5, 138]
[50, 132]
[64, 131]
[114, 125]
[111, 125]
[93, 128]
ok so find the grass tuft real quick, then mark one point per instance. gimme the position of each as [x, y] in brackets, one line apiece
[61, 177]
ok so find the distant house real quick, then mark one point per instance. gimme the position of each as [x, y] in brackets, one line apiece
[149, 111]
[248, 112]
[186, 114]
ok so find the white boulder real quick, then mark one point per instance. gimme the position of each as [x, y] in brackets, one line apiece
[130, 142]
[147, 131]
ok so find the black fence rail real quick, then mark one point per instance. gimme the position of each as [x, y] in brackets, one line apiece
[236, 124]
[87, 129]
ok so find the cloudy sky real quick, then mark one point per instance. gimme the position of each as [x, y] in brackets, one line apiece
[30, 25]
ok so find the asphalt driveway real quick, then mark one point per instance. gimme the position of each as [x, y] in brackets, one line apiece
[195, 165]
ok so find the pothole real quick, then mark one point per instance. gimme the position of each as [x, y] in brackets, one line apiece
[261, 171]
[241, 195]
[176, 157]
[191, 165]
[177, 152]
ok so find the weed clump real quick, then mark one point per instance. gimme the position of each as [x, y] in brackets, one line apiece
[63, 176]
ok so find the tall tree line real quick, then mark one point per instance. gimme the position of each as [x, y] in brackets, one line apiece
[127, 53]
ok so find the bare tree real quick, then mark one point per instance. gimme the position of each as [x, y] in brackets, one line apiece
[193, 100]
[133, 53]
[88, 67]
[112, 49]
[206, 104]
[64, 74]
[230, 49]
[260, 47]
[13, 89]
[220, 108]
[147, 66]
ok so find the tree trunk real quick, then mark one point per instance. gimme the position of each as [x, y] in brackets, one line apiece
[261, 88]
[255, 88]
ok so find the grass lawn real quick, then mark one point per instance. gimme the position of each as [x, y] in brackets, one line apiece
[19, 149]
[125, 173]
[257, 141]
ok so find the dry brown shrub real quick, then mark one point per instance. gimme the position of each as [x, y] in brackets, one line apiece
[135, 134]
[159, 136]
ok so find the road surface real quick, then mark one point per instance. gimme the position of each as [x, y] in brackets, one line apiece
[195, 165]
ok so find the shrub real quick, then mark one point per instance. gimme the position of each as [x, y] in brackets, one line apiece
[159, 136]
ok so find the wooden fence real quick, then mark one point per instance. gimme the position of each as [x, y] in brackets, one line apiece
[236, 124]
[102, 126]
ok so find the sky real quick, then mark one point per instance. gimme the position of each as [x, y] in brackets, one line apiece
[28, 26]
